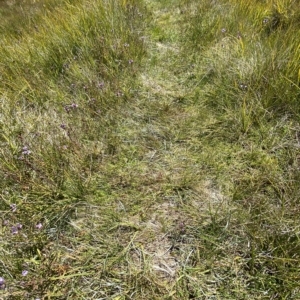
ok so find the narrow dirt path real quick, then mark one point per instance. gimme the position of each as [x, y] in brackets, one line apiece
[156, 189]
[161, 92]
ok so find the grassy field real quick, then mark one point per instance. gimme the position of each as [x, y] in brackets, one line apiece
[149, 149]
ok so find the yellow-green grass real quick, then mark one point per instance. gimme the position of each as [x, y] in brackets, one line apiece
[244, 69]
[150, 150]
[62, 85]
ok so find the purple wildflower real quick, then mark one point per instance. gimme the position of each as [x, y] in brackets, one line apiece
[119, 94]
[63, 126]
[243, 87]
[265, 20]
[39, 225]
[223, 30]
[13, 207]
[14, 230]
[100, 85]
[74, 105]
[67, 108]
[2, 283]
[70, 106]
[19, 226]
[130, 61]
[66, 65]
[25, 150]
[24, 272]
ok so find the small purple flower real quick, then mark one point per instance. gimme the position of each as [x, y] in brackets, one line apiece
[119, 94]
[39, 226]
[243, 87]
[130, 61]
[14, 230]
[63, 126]
[223, 30]
[25, 150]
[100, 85]
[13, 207]
[67, 108]
[24, 273]
[182, 227]
[70, 106]
[66, 66]
[265, 20]
[2, 283]
[19, 226]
